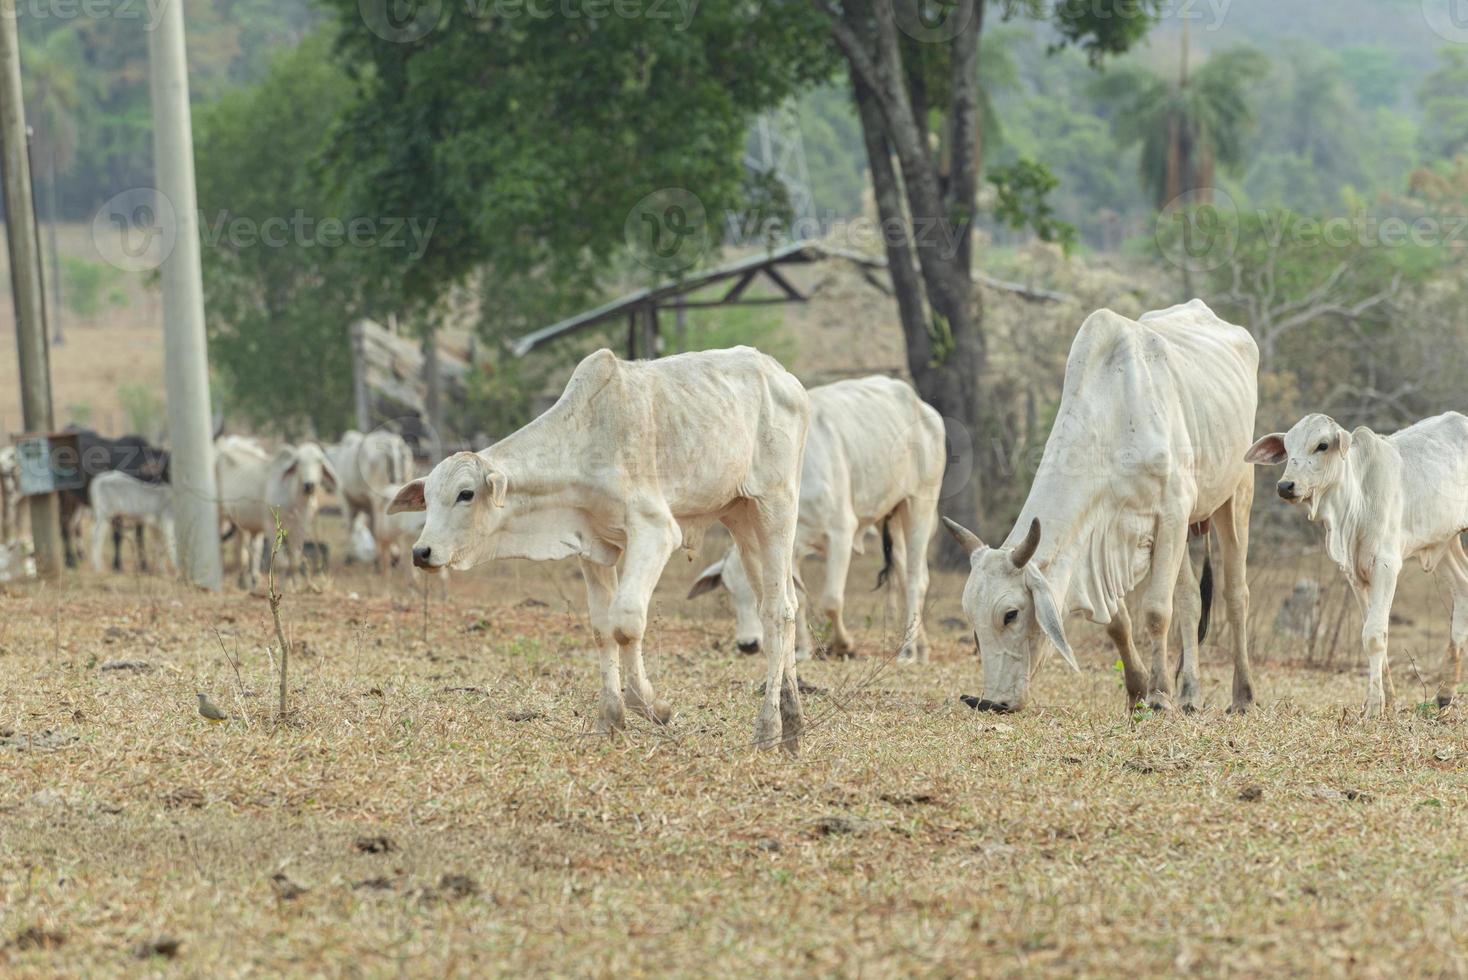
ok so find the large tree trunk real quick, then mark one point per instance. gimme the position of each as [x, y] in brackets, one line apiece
[946, 351]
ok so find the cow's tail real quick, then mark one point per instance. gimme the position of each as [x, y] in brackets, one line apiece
[886, 571]
[1205, 593]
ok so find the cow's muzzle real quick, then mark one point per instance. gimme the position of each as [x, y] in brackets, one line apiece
[423, 558]
[747, 646]
[1286, 490]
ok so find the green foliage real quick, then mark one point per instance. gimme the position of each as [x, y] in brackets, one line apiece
[1185, 127]
[531, 139]
[835, 155]
[88, 287]
[283, 283]
[1445, 105]
[1024, 189]
[730, 326]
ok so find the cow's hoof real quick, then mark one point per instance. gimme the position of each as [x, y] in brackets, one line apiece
[661, 712]
[1159, 702]
[1241, 706]
[1189, 708]
[767, 727]
[613, 716]
[1444, 701]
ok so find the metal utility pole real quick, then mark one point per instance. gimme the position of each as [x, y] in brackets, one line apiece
[185, 351]
[25, 281]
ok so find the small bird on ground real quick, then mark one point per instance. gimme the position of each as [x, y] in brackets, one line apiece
[209, 711]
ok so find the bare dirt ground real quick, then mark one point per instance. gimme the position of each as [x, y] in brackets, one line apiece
[438, 807]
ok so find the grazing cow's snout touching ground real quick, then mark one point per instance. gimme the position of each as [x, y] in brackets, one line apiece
[421, 556]
[1286, 489]
[748, 646]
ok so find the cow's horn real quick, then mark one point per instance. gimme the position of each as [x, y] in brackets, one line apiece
[1026, 549]
[966, 538]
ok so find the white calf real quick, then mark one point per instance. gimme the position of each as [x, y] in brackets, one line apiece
[114, 495]
[1382, 500]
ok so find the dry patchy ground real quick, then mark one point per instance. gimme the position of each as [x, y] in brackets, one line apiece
[438, 808]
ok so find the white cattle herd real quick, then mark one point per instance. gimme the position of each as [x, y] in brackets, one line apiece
[1151, 446]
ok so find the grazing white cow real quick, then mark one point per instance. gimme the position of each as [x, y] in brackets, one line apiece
[1154, 418]
[875, 456]
[254, 484]
[114, 495]
[633, 462]
[1382, 500]
[371, 468]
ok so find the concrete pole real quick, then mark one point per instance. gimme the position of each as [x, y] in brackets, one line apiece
[185, 351]
[25, 280]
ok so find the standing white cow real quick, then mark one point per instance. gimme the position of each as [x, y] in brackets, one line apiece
[254, 485]
[399, 530]
[633, 462]
[875, 456]
[1382, 500]
[114, 495]
[371, 468]
[1154, 419]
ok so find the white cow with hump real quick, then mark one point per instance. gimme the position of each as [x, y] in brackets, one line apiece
[1154, 418]
[875, 457]
[633, 462]
[1382, 500]
[255, 486]
[115, 494]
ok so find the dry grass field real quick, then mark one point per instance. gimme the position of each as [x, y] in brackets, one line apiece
[436, 805]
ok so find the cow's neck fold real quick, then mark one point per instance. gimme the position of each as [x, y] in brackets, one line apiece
[1340, 510]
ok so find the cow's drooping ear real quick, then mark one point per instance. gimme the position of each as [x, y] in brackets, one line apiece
[966, 539]
[1021, 555]
[708, 580]
[499, 485]
[1047, 614]
[1342, 441]
[1268, 451]
[328, 475]
[409, 499]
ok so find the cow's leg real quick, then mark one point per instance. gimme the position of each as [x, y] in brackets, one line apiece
[1169, 551]
[1188, 611]
[839, 538]
[1377, 599]
[138, 538]
[774, 534]
[601, 587]
[98, 537]
[1134, 672]
[802, 626]
[1455, 571]
[1232, 524]
[919, 523]
[650, 543]
[116, 544]
[69, 512]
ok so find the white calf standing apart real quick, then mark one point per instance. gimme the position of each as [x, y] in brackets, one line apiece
[115, 494]
[875, 456]
[254, 486]
[633, 462]
[1382, 500]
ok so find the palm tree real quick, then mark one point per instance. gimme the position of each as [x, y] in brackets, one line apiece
[52, 96]
[1188, 127]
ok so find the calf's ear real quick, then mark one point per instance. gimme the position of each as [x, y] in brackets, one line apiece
[1268, 451]
[1343, 441]
[409, 499]
[708, 580]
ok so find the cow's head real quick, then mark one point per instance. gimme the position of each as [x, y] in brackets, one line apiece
[729, 572]
[464, 500]
[1313, 451]
[300, 474]
[1014, 615]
